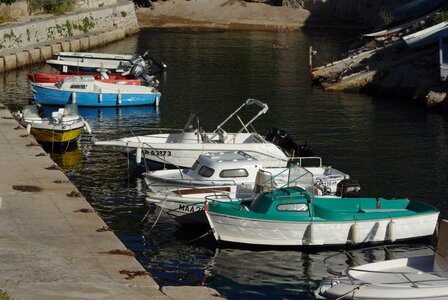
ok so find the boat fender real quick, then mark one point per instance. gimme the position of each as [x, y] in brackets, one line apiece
[157, 101]
[138, 155]
[87, 127]
[28, 128]
[119, 97]
[311, 234]
[354, 236]
[73, 97]
[390, 232]
[100, 96]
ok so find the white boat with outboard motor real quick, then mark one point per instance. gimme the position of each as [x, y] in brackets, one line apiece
[182, 147]
[401, 272]
[232, 176]
[239, 168]
[84, 63]
[74, 62]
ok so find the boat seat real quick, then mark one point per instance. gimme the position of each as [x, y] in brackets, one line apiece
[254, 138]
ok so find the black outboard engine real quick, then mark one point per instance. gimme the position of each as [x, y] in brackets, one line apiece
[348, 188]
[139, 71]
[148, 56]
[305, 150]
[283, 140]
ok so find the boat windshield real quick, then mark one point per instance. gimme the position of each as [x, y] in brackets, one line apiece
[301, 177]
[71, 110]
[192, 124]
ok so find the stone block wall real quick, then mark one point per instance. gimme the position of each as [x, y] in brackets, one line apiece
[120, 16]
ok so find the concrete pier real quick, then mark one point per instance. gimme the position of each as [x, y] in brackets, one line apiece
[52, 243]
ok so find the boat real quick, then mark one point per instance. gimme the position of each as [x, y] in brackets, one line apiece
[238, 168]
[426, 36]
[443, 54]
[181, 194]
[180, 148]
[75, 62]
[62, 128]
[86, 91]
[293, 216]
[417, 275]
[398, 30]
[54, 78]
[83, 63]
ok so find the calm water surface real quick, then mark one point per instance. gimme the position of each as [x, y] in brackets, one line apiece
[392, 148]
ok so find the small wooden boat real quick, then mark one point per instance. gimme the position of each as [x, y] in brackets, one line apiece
[426, 36]
[293, 216]
[86, 91]
[418, 275]
[63, 127]
[54, 78]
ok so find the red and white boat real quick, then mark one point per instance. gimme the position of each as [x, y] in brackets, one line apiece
[53, 78]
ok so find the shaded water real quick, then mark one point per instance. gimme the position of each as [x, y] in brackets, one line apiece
[394, 149]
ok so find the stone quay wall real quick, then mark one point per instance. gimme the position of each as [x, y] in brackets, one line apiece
[26, 43]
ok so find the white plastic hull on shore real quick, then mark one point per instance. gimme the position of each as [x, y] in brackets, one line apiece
[278, 233]
[426, 36]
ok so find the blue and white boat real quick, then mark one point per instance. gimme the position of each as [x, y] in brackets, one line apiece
[86, 91]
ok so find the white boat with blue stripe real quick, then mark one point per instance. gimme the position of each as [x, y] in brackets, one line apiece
[86, 91]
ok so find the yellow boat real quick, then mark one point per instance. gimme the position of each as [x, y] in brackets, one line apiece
[63, 127]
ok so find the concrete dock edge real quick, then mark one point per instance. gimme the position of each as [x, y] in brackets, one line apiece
[50, 246]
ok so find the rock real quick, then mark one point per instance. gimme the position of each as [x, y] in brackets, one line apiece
[434, 99]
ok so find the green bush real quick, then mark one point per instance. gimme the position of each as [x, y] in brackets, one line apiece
[441, 17]
[57, 7]
[7, 1]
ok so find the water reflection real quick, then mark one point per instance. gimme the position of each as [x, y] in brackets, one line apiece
[393, 148]
[68, 161]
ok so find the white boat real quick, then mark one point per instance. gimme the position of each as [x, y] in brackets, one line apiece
[293, 216]
[238, 168]
[63, 127]
[181, 148]
[426, 36]
[399, 30]
[424, 276]
[185, 203]
[89, 62]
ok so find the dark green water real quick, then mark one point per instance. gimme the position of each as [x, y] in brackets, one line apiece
[393, 148]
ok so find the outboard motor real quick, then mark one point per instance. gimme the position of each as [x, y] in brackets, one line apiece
[348, 188]
[283, 140]
[139, 71]
[148, 56]
[305, 150]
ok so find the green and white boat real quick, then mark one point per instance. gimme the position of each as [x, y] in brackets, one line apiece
[292, 216]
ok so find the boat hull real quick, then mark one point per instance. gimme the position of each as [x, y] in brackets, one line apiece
[183, 155]
[55, 136]
[59, 97]
[405, 278]
[53, 78]
[234, 229]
